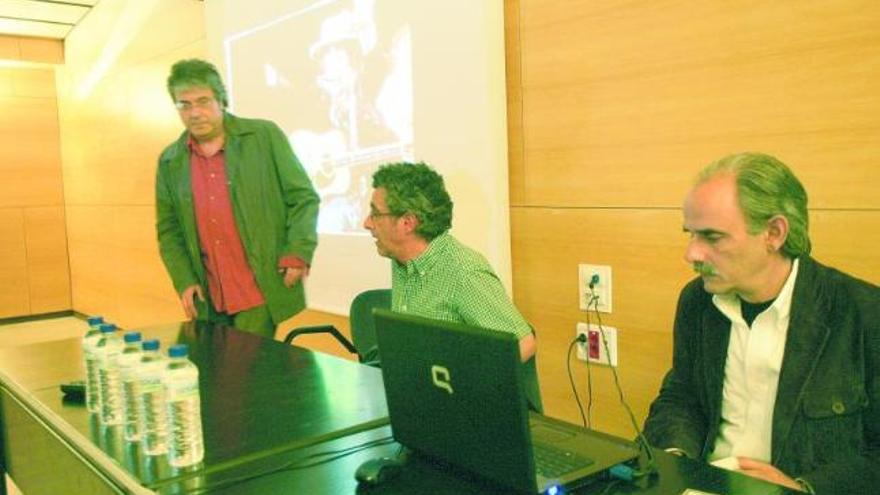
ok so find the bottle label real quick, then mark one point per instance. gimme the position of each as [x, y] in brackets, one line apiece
[151, 385]
[182, 391]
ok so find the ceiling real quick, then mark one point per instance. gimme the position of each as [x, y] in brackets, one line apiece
[42, 18]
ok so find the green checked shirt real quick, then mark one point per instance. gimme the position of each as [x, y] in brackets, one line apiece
[452, 282]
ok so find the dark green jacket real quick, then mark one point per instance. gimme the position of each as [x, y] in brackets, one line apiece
[273, 202]
[826, 419]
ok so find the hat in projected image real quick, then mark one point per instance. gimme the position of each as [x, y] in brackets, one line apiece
[346, 27]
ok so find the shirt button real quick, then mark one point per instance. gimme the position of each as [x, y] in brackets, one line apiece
[213, 175]
[216, 242]
[838, 407]
[211, 198]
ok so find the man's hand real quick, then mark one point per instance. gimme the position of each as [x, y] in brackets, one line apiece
[292, 276]
[527, 347]
[187, 299]
[767, 472]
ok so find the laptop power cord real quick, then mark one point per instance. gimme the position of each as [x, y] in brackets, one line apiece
[581, 338]
[622, 472]
[625, 472]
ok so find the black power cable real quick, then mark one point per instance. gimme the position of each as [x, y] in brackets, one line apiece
[579, 338]
[593, 297]
[640, 437]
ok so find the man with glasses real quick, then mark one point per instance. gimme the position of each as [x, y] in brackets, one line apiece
[775, 356]
[235, 211]
[432, 274]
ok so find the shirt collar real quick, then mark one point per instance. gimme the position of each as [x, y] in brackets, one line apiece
[425, 261]
[729, 304]
[193, 146]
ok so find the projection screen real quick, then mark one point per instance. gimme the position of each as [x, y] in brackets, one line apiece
[358, 83]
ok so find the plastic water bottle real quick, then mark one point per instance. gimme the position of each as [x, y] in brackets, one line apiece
[128, 363]
[107, 351]
[151, 400]
[88, 344]
[186, 445]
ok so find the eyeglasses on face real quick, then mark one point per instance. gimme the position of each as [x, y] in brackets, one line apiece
[201, 103]
[374, 214]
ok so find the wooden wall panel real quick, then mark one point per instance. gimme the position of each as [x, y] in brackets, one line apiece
[41, 50]
[616, 106]
[644, 248]
[13, 264]
[92, 266]
[513, 71]
[48, 269]
[114, 123]
[30, 172]
[31, 193]
[619, 97]
[6, 75]
[145, 294]
[848, 240]
[31, 49]
[648, 39]
[115, 267]
[9, 49]
[37, 84]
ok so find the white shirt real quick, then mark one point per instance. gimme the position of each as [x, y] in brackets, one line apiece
[751, 375]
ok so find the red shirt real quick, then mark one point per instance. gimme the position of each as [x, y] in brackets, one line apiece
[230, 278]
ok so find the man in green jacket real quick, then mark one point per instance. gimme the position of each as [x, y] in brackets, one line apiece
[236, 214]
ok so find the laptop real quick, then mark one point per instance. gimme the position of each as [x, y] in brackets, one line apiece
[455, 394]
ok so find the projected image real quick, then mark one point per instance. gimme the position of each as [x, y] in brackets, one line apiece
[336, 75]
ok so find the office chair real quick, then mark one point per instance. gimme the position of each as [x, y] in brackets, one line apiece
[363, 328]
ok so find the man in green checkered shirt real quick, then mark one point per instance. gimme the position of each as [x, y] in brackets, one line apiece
[432, 274]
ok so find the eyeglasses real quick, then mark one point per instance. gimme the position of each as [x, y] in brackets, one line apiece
[374, 214]
[201, 103]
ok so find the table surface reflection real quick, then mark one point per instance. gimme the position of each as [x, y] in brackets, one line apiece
[260, 398]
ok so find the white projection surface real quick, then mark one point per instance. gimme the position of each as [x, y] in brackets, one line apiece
[358, 83]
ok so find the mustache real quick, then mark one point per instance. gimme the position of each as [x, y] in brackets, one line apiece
[704, 269]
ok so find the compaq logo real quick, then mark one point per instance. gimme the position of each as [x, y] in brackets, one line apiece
[440, 376]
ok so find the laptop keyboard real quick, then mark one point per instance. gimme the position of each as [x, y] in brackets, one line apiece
[552, 462]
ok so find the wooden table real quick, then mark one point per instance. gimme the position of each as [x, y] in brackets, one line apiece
[260, 398]
[277, 419]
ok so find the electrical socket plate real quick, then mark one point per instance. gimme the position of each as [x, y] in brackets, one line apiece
[602, 289]
[594, 335]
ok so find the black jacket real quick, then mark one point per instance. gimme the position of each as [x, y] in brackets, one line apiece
[826, 421]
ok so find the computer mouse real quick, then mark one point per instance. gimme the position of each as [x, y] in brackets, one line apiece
[377, 471]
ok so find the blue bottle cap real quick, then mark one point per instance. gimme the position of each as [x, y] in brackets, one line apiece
[150, 345]
[108, 327]
[95, 320]
[131, 337]
[177, 350]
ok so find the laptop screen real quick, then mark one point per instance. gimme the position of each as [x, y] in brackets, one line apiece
[455, 393]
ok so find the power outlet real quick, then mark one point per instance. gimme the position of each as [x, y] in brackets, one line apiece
[601, 288]
[594, 348]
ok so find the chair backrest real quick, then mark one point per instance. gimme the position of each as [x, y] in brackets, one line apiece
[363, 327]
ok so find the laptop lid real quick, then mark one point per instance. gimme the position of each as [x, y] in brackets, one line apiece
[455, 392]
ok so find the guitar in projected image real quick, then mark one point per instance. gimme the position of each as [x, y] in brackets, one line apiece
[343, 180]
